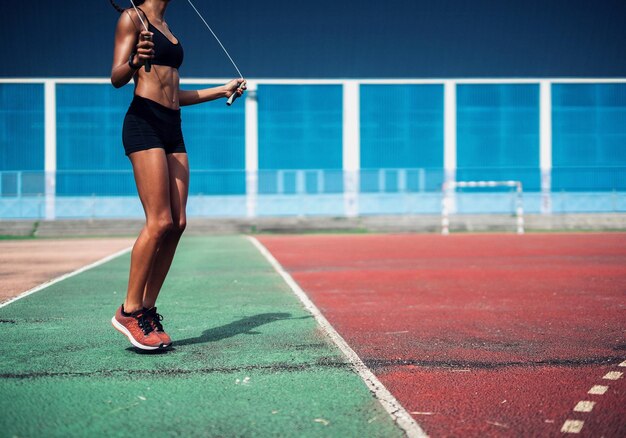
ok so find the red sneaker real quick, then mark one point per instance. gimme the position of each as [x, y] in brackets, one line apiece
[137, 327]
[156, 319]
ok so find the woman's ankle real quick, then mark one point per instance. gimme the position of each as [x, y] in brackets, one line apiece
[130, 308]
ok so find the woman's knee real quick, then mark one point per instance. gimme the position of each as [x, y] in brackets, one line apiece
[159, 228]
[180, 225]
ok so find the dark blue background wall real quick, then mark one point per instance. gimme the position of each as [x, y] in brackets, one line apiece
[334, 38]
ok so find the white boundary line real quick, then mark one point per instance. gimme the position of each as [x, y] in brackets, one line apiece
[66, 276]
[401, 417]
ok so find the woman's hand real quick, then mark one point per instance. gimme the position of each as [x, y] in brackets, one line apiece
[144, 49]
[193, 97]
[235, 86]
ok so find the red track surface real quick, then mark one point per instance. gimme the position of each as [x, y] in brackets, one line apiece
[498, 335]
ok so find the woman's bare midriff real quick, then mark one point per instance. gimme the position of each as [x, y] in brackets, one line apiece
[160, 85]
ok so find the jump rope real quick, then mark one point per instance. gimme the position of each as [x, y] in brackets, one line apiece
[148, 63]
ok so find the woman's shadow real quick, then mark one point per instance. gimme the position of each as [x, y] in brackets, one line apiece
[242, 326]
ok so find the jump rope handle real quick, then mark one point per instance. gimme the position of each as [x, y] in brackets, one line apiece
[147, 64]
[234, 96]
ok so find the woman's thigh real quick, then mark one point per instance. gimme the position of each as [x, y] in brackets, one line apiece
[151, 171]
[179, 186]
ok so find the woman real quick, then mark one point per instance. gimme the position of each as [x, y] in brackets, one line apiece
[154, 143]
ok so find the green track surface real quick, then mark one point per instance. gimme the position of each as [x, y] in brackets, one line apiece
[248, 360]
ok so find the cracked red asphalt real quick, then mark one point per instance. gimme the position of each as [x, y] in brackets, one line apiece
[488, 334]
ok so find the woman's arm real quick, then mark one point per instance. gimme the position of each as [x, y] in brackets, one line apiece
[126, 36]
[192, 97]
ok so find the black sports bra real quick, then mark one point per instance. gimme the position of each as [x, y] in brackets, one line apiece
[165, 52]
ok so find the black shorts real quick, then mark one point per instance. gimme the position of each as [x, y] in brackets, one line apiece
[149, 124]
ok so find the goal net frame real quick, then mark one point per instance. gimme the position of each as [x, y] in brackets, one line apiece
[448, 189]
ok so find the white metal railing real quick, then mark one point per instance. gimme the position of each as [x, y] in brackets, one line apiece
[351, 161]
[301, 192]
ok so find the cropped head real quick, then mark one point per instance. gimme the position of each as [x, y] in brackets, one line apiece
[121, 9]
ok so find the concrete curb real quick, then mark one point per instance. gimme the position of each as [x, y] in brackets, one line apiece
[385, 224]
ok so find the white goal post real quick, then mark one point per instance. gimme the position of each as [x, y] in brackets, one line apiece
[448, 188]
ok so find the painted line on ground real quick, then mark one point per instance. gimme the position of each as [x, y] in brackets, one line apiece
[584, 406]
[49, 283]
[613, 375]
[401, 417]
[575, 426]
[572, 426]
[598, 389]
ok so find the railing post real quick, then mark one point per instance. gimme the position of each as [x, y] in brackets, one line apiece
[252, 149]
[381, 180]
[445, 208]
[50, 165]
[19, 185]
[519, 208]
[449, 142]
[402, 186]
[421, 179]
[320, 182]
[351, 147]
[300, 182]
[93, 207]
[280, 182]
[545, 145]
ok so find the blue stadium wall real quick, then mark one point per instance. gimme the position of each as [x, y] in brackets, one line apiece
[300, 127]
